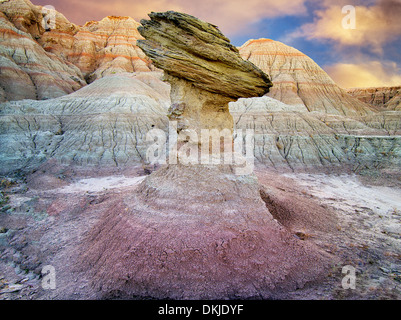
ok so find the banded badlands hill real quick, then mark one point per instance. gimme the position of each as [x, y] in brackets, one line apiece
[78, 101]
[306, 120]
[43, 64]
[388, 98]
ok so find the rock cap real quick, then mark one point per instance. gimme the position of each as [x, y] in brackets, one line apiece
[191, 49]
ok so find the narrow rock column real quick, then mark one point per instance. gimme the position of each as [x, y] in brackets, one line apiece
[205, 71]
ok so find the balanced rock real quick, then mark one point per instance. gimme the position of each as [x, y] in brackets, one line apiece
[188, 48]
[197, 231]
[205, 71]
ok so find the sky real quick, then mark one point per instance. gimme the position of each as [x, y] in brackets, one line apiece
[357, 42]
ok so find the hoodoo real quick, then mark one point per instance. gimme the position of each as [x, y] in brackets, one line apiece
[197, 231]
[204, 69]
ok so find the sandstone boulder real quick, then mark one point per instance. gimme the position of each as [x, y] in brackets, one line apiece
[190, 49]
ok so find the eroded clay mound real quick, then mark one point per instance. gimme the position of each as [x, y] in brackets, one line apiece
[184, 248]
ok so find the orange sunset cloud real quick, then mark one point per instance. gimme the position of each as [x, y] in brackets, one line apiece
[365, 74]
[231, 16]
[375, 25]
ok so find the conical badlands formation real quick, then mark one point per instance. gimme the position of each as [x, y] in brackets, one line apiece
[299, 81]
[197, 229]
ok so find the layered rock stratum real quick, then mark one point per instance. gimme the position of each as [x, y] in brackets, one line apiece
[388, 98]
[99, 48]
[298, 80]
[304, 121]
[228, 236]
[27, 70]
[286, 137]
[319, 123]
[105, 123]
[47, 61]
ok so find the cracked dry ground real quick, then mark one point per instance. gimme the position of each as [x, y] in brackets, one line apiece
[45, 216]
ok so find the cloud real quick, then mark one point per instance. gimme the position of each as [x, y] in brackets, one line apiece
[358, 52]
[365, 74]
[231, 16]
[363, 54]
[376, 25]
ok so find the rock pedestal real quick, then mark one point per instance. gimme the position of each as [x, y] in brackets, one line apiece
[197, 231]
[204, 69]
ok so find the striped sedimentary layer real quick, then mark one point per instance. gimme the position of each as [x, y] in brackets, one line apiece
[27, 71]
[388, 98]
[299, 81]
[104, 123]
[40, 61]
[319, 123]
[100, 48]
[286, 136]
